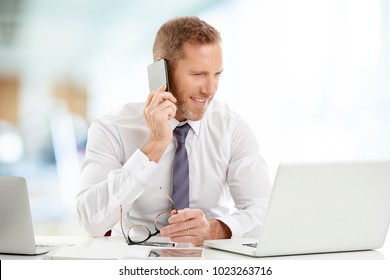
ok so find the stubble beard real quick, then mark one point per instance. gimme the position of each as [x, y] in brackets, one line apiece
[185, 111]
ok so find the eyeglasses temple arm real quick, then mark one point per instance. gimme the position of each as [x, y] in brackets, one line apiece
[170, 199]
[123, 232]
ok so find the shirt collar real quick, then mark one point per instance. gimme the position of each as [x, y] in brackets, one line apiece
[195, 125]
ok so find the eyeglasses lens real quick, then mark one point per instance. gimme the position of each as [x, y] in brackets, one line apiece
[162, 220]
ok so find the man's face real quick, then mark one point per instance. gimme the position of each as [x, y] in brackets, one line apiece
[195, 79]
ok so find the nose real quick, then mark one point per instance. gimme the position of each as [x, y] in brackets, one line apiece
[210, 86]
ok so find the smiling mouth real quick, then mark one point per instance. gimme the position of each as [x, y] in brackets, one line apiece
[200, 101]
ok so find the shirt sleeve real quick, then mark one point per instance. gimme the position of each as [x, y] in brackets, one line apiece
[248, 181]
[106, 183]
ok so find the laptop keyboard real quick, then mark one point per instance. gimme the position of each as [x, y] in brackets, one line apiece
[253, 245]
[42, 246]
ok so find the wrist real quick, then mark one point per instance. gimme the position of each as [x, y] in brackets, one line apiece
[219, 230]
[154, 149]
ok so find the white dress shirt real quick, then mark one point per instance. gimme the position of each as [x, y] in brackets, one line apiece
[229, 180]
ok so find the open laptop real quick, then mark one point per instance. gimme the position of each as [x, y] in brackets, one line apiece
[16, 228]
[321, 208]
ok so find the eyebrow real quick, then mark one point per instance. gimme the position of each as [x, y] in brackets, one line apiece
[202, 72]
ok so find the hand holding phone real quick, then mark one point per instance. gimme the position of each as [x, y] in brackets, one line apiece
[159, 109]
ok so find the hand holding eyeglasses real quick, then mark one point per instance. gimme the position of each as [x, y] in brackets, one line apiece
[184, 226]
[192, 226]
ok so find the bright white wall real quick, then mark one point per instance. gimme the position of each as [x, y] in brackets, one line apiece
[310, 77]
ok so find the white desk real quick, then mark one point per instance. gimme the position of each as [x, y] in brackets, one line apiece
[209, 254]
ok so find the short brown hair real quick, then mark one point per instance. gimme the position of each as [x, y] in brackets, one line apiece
[172, 35]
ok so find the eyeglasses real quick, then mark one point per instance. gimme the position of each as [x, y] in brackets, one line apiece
[138, 234]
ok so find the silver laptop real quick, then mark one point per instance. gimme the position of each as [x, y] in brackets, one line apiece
[321, 208]
[16, 228]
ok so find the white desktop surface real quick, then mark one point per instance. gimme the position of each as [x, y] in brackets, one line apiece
[209, 254]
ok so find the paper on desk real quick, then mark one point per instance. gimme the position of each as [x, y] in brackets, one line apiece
[106, 243]
[82, 252]
[137, 252]
[111, 247]
[131, 252]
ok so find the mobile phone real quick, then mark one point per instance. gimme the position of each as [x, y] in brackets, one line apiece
[190, 253]
[158, 244]
[158, 74]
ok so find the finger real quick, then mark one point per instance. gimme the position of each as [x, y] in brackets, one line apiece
[192, 227]
[165, 109]
[168, 112]
[156, 101]
[149, 98]
[159, 103]
[159, 97]
[173, 230]
[162, 88]
[177, 230]
[185, 214]
[187, 232]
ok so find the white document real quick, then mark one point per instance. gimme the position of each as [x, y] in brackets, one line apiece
[80, 252]
[109, 249]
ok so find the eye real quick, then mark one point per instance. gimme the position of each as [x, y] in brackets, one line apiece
[217, 75]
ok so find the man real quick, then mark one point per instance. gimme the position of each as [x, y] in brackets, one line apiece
[130, 152]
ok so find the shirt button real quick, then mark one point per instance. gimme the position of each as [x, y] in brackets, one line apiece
[143, 167]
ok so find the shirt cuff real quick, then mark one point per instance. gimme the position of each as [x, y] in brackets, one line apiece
[141, 167]
[235, 227]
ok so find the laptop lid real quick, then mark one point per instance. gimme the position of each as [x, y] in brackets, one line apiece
[16, 230]
[323, 207]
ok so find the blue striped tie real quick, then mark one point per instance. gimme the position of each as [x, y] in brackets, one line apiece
[181, 181]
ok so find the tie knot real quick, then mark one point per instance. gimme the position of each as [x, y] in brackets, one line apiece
[181, 133]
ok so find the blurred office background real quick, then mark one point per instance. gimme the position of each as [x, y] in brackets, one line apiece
[312, 78]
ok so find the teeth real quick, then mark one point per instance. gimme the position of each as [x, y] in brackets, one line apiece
[199, 100]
